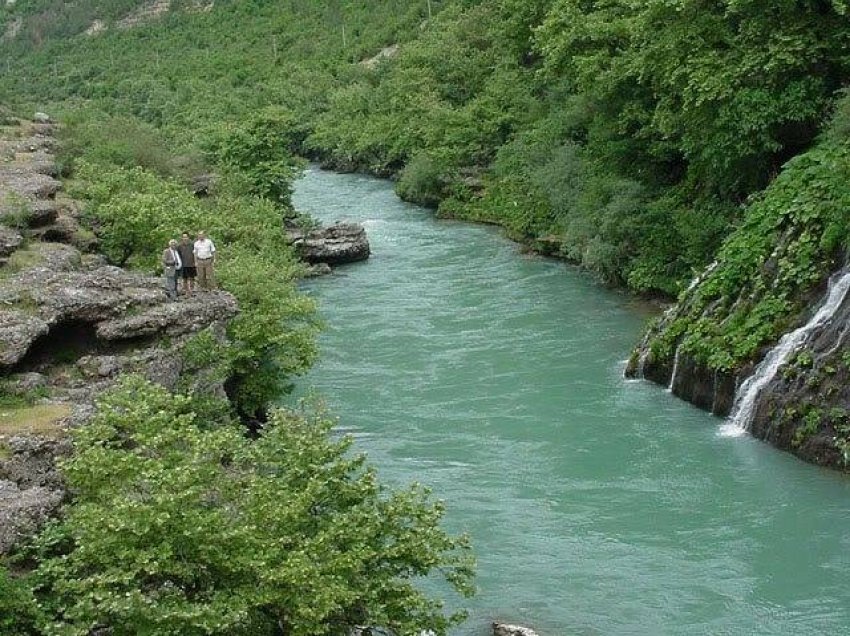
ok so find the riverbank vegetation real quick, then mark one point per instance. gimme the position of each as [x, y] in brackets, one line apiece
[210, 532]
[182, 525]
[626, 138]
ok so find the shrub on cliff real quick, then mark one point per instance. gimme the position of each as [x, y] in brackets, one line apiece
[19, 613]
[179, 528]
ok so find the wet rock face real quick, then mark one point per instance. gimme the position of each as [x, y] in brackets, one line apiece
[335, 245]
[805, 408]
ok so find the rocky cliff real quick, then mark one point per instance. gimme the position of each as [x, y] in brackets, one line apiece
[69, 326]
[761, 335]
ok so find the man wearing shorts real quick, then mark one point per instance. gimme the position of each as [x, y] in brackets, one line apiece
[187, 255]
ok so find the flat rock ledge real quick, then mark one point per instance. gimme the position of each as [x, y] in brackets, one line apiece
[113, 304]
[334, 245]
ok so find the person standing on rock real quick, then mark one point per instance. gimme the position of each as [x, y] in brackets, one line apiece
[204, 252]
[171, 264]
[186, 250]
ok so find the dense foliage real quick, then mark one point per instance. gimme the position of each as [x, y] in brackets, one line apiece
[185, 527]
[771, 267]
[625, 136]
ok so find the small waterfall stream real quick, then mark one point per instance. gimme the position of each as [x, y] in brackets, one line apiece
[748, 393]
[675, 370]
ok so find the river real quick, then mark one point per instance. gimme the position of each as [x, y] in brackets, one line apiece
[596, 505]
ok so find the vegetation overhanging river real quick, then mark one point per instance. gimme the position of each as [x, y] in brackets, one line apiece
[595, 505]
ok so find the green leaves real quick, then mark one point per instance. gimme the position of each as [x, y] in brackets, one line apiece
[772, 266]
[183, 529]
[259, 149]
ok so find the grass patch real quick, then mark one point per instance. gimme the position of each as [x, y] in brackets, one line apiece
[23, 259]
[42, 419]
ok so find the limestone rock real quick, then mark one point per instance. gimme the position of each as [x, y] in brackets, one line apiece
[500, 629]
[33, 462]
[23, 512]
[173, 319]
[42, 212]
[17, 332]
[335, 245]
[10, 240]
[319, 269]
[117, 305]
[23, 383]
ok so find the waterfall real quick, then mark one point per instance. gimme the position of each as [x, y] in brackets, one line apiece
[644, 354]
[675, 369]
[748, 394]
[700, 277]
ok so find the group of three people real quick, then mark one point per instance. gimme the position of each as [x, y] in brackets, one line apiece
[189, 260]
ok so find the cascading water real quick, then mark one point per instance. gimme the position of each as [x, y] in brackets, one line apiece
[644, 345]
[675, 370]
[748, 394]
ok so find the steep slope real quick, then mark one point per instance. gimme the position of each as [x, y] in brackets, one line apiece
[768, 297]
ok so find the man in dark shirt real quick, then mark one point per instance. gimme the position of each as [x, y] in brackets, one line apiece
[187, 255]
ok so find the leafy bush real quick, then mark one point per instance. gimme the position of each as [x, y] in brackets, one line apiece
[178, 528]
[260, 150]
[19, 613]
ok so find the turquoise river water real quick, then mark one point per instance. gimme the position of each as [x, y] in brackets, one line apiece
[596, 505]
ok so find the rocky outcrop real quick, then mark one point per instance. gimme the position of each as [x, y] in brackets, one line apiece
[804, 407]
[70, 325]
[501, 629]
[335, 245]
[10, 240]
[760, 335]
[24, 511]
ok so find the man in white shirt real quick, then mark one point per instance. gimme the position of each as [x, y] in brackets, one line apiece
[204, 250]
[171, 264]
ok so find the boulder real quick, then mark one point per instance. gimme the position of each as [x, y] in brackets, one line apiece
[335, 245]
[32, 463]
[203, 185]
[42, 118]
[501, 629]
[23, 383]
[43, 212]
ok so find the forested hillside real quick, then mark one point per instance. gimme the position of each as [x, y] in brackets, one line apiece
[623, 136]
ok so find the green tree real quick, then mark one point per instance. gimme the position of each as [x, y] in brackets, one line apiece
[260, 149]
[178, 528]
